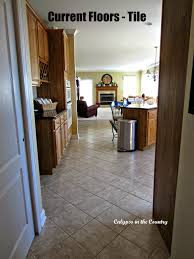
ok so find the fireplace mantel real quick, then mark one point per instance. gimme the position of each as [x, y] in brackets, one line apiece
[105, 88]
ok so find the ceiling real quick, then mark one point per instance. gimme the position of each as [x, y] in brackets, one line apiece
[109, 46]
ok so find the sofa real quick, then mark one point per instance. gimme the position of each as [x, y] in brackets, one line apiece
[86, 111]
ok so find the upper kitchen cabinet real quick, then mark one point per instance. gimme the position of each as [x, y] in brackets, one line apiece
[33, 44]
[46, 49]
[42, 43]
[58, 66]
[66, 54]
[39, 52]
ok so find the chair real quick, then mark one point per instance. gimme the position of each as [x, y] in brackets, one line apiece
[86, 111]
[114, 129]
[116, 109]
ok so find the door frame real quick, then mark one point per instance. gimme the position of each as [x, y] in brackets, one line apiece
[22, 44]
[167, 159]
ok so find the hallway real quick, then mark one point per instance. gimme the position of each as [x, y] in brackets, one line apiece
[94, 185]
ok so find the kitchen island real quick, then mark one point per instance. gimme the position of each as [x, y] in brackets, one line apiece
[146, 116]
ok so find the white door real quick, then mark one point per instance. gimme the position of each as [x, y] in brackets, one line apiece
[16, 224]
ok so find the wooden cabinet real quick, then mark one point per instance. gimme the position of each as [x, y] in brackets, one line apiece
[66, 54]
[146, 125]
[42, 43]
[33, 44]
[52, 140]
[58, 66]
[39, 51]
[40, 40]
[58, 142]
[46, 50]
[64, 136]
[64, 132]
[152, 127]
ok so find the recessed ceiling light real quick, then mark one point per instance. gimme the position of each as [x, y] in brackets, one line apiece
[148, 23]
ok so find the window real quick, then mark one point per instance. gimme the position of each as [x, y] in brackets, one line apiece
[149, 87]
[130, 86]
[86, 90]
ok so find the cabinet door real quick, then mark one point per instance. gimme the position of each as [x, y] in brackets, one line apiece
[46, 51]
[41, 48]
[33, 44]
[66, 54]
[66, 133]
[62, 138]
[152, 125]
[58, 143]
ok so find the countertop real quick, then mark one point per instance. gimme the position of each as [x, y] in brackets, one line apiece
[141, 106]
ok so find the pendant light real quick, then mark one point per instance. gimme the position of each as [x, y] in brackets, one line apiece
[154, 74]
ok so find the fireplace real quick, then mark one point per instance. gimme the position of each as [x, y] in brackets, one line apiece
[106, 94]
[106, 98]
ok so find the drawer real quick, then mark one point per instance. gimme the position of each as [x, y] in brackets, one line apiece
[57, 123]
[152, 115]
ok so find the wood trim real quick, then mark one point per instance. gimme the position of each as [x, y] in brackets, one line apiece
[173, 66]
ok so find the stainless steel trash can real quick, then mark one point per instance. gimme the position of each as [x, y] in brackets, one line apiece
[126, 140]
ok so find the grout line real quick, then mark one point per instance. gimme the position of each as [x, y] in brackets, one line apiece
[101, 198]
[108, 244]
[97, 215]
[107, 152]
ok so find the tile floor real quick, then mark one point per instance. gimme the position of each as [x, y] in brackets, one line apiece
[92, 186]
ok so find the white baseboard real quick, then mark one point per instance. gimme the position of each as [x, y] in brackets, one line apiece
[42, 217]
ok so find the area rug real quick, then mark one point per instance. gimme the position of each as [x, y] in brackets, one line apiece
[104, 113]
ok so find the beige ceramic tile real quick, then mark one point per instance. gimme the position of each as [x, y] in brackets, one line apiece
[160, 253]
[126, 184]
[94, 236]
[52, 203]
[122, 249]
[71, 219]
[70, 192]
[112, 194]
[91, 166]
[136, 206]
[115, 213]
[50, 236]
[94, 205]
[67, 249]
[93, 185]
[144, 192]
[144, 235]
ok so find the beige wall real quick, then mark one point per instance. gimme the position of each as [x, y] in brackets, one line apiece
[183, 231]
[117, 77]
